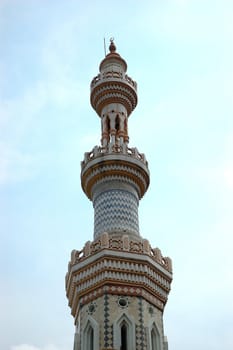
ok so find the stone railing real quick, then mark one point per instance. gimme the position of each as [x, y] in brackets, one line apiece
[113, 75]
[166, 262]
[113, 149]
[124, 244]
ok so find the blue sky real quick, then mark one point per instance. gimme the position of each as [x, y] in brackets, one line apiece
[180, 52]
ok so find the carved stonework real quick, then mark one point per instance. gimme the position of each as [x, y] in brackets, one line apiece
[136, 247]
[146, 246]
[98, 151]
[104, 238]
[95, 246]
[117, 285]
[157, 255]
[125, 243]
[168, 263]
[87, 248]
[120, 272]
[73, 257]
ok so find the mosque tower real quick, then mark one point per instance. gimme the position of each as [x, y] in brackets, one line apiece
[117, 285]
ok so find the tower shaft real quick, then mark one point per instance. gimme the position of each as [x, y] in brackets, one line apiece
[117, 285]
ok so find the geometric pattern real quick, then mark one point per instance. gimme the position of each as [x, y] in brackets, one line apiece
[140, 330]
[119, 270]
[108, 330]
[101, 95]
[120, 276]
[129, 169]
[116, 210]
[134, 291]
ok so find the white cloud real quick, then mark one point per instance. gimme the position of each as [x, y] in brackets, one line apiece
[32, 347]
[17, 113]
[25, 113]
[24, 347]
[14, 165]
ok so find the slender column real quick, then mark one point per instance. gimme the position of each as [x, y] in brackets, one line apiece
[115, 209]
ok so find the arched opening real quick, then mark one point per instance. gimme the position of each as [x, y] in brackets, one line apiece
[117, 123]
[108, 124]
[155, 338]
[126, 126]
[107, 128]
[90, 334]
[124, 337]
[90, 338]
[126, 139]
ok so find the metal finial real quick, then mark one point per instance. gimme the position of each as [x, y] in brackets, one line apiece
[112, 46]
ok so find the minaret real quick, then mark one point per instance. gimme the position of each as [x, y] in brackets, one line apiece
[117, 285]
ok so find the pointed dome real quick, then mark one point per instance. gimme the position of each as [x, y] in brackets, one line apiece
[112, 57]
[113, 85]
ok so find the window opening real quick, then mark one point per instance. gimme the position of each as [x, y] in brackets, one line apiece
[108, 124]
[90, 339]
[123, 337]
[117, 122]
[153, 340]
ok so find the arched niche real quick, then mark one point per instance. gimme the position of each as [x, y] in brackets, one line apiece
[154, 337]
[90, 335]
[124, 333]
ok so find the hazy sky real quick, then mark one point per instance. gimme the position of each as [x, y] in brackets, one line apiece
[180, 52]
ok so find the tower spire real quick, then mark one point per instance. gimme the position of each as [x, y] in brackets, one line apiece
[113, 172]
[113, 96]
[117, 285]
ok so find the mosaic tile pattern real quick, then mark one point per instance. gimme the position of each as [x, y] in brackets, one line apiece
[108, 330]
[116, 210]
[140, 330]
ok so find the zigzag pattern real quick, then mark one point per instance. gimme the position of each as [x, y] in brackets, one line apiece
[107, 326]
[116, 210]
[140, 330]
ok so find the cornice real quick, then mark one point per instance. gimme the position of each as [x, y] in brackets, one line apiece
[112, 90]
[128, 262]
[113, 167]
